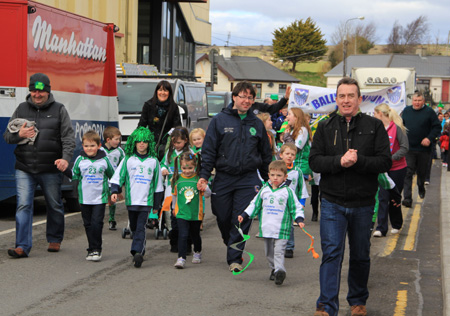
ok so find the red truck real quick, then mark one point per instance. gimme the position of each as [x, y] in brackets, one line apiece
[76, 53]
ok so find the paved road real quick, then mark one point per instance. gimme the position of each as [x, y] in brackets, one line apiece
[405, 276]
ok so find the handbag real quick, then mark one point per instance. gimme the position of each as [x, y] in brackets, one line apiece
[160, 149]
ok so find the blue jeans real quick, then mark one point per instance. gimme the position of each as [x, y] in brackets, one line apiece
[186, 229]
[51, 186]
[138, 220]
[335, 222]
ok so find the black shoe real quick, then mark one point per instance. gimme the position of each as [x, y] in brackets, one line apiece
[138, 259]
[288, 253]
[272, 275]
[407, 203]
[314, 217]
[279, 277]
[422, 193]
[112, 225]
[174, 249]
[17, 253]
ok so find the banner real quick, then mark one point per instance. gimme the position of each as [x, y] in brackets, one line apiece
[318, 100]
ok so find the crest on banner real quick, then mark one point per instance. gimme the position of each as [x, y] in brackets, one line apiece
[301, 95]
[394, 94]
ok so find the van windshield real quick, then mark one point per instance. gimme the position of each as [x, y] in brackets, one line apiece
[132, 95]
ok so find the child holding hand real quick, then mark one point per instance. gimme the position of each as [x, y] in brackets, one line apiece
[188, 206]
[277, 207]
[92, 169]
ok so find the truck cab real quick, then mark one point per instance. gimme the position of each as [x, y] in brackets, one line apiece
[134, 91]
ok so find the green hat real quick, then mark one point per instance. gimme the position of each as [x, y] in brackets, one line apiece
[274, 97]
[140, 134]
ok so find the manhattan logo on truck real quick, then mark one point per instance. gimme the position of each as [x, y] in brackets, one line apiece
[43, 37]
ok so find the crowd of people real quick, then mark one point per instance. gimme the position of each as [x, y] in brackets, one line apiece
[254, 160]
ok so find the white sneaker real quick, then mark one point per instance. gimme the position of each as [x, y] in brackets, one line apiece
[197, 258]
[89, 256]
[427, 182]
[377, 233]
[395, 231]
[180, 263]
[236, 267]
[96, 256]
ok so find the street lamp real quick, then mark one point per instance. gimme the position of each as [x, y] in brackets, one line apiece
[345, 41]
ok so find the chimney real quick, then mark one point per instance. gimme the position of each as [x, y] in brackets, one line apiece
[421, 51]
[225, 52]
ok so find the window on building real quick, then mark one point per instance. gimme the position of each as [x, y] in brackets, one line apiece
[258, 87]
[282, 88]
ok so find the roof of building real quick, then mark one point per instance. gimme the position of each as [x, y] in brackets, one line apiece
[250, 68]
[426, 66]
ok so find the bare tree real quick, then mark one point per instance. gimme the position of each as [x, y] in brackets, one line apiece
[404, 39]
[362, 35]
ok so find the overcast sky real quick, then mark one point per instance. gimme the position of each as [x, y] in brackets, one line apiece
[252, 22]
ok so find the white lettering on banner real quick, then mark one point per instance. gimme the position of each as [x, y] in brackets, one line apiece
[318, 100]
[81, 129]
[42, 34]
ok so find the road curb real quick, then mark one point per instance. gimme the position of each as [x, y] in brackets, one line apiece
[445, 238]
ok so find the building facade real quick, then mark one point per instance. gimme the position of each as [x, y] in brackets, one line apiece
[157, 32]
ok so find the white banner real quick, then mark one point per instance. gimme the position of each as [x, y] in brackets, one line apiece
[317, 100]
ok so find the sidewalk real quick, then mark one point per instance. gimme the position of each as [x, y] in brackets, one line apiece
[445, 238]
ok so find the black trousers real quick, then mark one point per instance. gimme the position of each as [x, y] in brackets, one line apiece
[93, 216]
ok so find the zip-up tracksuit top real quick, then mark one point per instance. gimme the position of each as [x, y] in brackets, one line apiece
[236, 146]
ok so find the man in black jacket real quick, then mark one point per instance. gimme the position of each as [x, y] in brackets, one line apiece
[258, 107]
[349, 150]
[237, 146]
[40, 163]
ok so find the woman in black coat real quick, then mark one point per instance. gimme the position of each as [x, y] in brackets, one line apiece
[155, 111]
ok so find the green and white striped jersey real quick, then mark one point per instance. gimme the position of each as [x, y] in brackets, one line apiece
[276, 209]
[93, 177]
[142, 179]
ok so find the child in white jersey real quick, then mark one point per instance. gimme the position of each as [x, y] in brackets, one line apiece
[140, 172]
[277, 207]
[115, 154]
[188, 205]
[297, 183]
[92, 169]
[179, 143]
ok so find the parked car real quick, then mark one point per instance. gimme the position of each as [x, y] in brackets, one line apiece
[217, 100]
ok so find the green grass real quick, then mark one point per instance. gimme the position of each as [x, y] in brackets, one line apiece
[310, 78]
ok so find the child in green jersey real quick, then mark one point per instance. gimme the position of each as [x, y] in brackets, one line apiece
[188, 206]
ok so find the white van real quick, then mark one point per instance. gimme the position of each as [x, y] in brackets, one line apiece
[133, 92]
